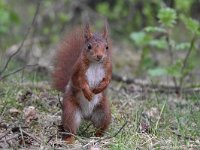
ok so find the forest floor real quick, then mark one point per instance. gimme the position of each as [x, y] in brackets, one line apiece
[30, 118]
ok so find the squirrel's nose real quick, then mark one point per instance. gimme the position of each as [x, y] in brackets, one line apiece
[99, 57]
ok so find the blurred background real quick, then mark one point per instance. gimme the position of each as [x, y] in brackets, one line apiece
[156, 50]
[156, 40]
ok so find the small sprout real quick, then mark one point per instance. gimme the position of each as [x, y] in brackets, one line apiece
[167, 17]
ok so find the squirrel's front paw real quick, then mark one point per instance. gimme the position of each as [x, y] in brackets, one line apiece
[88, 95]
[96, 91]
[100, 87]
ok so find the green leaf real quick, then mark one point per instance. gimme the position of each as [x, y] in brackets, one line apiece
[191, 24]
[175, 69]
[159, 43]
[4, 16]
[182, 46]
[140, 38]
[167, 17]
[157, 72]
[103, 8]
[63, 17]
[154, 29]
[14, 17]
[183, 5]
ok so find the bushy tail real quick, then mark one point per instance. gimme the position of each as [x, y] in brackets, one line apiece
[67, 55]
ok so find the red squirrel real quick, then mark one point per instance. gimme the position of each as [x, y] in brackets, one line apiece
[83, 71]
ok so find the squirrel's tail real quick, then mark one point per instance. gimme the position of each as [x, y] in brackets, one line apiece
[67, 55]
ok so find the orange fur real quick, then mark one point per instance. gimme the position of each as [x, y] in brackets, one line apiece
[67, 55]
[83, 71]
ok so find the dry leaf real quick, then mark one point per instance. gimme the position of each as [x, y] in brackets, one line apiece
[24, 97]
[14, 112]
[30, 113]
[153, 113]
[144, 127]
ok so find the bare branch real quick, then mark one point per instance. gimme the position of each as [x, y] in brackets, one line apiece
[171, 55]
[114, 135]
[25, 37]
[16, 71]
[186, 60]
[160, 88]
[30, 135]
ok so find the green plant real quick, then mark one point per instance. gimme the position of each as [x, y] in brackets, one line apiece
[161, 38]
[8, 18]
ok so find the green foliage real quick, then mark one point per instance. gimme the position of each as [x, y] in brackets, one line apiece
[167, 17]
[8, 18]
[157, 72]
[154, 29]
[182, 46]
[174, 70]
[159, 43]
[140, 38]
[191, 24]
[147, 40]
[114, 12]
[183, 5]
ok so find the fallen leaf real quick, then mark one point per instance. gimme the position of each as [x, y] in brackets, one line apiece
[30, 114]
[144, 127]
[153, 113]
[14, 112]
[26, 96]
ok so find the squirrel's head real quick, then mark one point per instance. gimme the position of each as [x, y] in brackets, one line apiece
[96, 44]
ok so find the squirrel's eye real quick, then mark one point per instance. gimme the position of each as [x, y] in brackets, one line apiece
[106, 47]
[89, 46]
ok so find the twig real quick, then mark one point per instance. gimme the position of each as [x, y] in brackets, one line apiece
[34, 138]
[22, 43]
[184, 137]
[137, 82]
[61, 104]
[108, 137]
[5, 134]
[22, 136]
[186, 60]
[50, 138]
[115, 134]
[171, 55]
[13, 129]
[16, 71]
[150, 87]
[80, 139]
[8, 139]
[86, 129]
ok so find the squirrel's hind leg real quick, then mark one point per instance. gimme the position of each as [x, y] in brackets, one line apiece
[71, 117]
[101, 117]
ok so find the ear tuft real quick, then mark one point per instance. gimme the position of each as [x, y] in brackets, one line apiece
[105, 30]
[87, 32]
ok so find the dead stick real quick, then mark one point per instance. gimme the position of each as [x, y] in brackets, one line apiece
[8, 139]
[150, 87]
[16, 71]
[5, 134]
[34, 138]
[22, 43]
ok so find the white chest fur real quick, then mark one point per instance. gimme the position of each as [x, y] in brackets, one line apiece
[94, 74]
[88, 106]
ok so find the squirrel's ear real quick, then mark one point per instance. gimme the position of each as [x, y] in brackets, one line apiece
[105, 30]
[87, 32]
